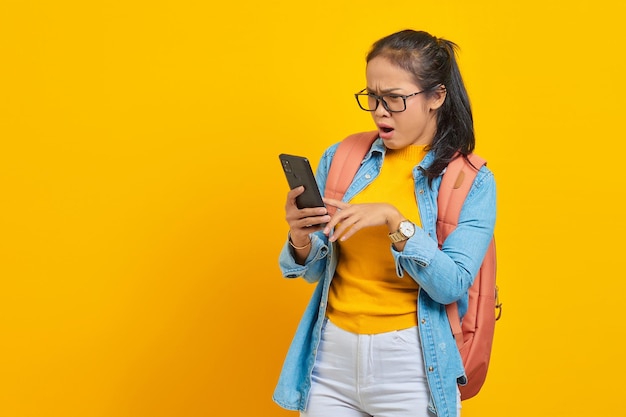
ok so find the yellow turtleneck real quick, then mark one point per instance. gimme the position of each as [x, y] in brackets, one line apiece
[366, 296]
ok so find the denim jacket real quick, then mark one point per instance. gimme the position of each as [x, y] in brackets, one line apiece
[444, 276]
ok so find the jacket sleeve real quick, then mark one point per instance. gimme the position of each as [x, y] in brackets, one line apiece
[313, 268]
[447, 273]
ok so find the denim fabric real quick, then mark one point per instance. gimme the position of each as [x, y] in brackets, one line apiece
[444, 276]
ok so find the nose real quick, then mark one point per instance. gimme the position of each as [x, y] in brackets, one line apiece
[381, 110]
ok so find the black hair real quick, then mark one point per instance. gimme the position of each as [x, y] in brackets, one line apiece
[432, 61]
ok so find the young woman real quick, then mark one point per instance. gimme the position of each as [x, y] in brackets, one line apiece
[375, 339]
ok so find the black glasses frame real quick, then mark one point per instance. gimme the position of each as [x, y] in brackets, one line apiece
[381, 99]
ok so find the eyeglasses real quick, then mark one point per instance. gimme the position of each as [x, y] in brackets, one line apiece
[394, 103]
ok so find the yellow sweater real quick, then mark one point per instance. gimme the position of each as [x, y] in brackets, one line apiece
[366, 296]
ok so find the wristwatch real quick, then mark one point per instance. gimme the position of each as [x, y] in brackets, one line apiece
[404, 232]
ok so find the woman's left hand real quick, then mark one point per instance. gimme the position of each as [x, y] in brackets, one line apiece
[354, 217]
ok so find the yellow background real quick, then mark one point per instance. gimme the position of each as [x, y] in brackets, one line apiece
[141, 198]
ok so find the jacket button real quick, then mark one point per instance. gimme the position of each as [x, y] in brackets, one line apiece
[423, 321]
[421, 191]
[368, 176]
[430, 369]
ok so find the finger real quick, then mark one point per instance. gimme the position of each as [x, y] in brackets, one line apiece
[345, 230]
[350, 231]
[317, 222]
[295, 214]
[306, 218]
[307, 226]
[336, 203]
[293, 193]
[340, 222]
[337, 217]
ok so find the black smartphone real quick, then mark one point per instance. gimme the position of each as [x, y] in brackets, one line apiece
[298, 172]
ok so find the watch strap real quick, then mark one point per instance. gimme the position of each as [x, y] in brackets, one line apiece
[397, 236]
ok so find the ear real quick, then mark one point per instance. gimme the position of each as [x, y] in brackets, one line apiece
[437, 97]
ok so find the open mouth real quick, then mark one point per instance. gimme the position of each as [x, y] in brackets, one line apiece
[385, 132]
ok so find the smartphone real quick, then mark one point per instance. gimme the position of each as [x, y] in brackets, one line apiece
[298, 172]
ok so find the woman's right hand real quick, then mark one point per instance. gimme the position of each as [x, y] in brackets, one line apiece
[303, 222]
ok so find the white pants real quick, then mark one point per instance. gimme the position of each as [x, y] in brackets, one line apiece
[379, 375]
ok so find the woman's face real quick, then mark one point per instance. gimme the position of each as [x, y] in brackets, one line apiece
[418, 123]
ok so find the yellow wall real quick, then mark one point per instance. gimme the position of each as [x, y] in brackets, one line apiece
[141, 198]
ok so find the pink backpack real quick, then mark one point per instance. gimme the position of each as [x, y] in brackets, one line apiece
[474, 335]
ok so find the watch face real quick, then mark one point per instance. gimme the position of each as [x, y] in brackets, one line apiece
[407, 228]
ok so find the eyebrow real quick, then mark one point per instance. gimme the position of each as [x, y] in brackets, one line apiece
[385, 91]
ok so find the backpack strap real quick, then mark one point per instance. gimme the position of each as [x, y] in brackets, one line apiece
[455, 185]
[345, 164]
